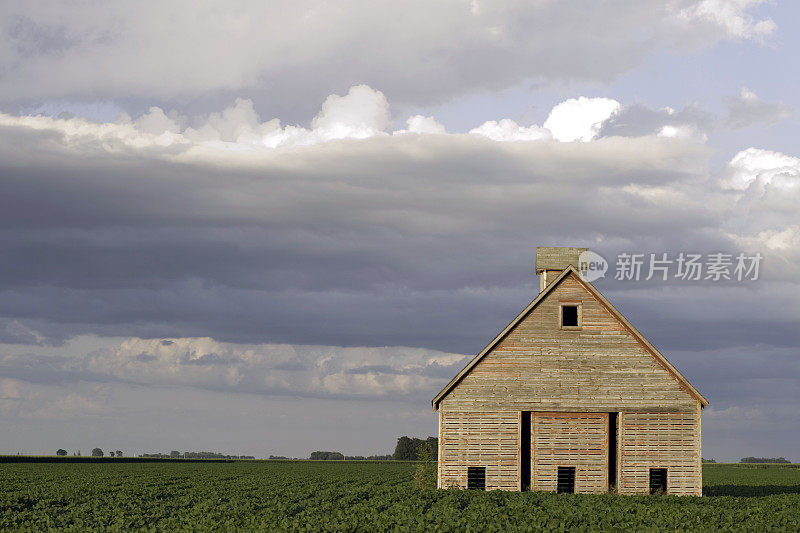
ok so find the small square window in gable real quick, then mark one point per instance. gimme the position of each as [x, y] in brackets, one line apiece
[569, 315]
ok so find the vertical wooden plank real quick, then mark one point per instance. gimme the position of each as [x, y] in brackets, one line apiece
[439, 454]
[699, 451]
[620, 427]
[519, 449]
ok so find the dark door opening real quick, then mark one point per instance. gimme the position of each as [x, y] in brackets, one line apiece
[658, 480]
[612, 450]
[525, 450]
[566, 479]
[476, 477]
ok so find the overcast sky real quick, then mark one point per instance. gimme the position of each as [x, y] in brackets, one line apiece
[280, 228]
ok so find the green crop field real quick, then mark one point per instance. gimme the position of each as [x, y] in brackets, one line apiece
[362, 496]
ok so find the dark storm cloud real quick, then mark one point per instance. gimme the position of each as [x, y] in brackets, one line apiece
[346, 243]
[394, 240]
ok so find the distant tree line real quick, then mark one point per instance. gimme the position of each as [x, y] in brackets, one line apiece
[708, 460]
[409, 449]
[175, 454]
[339, 456]
[326, 456]
[764, 460]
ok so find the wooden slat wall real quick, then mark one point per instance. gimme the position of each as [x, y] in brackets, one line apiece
[540, 367]
[570, 439]
[479, 439]
[660, 440]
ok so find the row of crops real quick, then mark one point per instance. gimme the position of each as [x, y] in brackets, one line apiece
[355, 496]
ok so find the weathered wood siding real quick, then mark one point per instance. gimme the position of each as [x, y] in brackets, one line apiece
[538, 366]
[660, 440]
[489, 439]
[570, 439]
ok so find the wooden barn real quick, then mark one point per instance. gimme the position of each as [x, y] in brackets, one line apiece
[570, 397]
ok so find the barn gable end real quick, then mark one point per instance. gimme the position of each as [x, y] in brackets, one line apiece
[535, 365]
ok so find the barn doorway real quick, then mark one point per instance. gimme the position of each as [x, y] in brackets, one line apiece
[570, 439]
[613, 440]
[525, 451]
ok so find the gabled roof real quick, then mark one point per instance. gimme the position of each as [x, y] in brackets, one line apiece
[542, 295]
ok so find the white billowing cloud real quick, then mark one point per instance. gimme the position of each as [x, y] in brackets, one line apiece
[580, 119]
[362, 113]
[786, 239]
[748, 109]
[238, 123]
[423, 125]
[10, 389]
[755, 166]
[71, 405]
[238, 131]
[156, 122]
[154, 50]
[508, 130]
[637, 120]
[780, 245]
[732, 417]
[731, 16]
[26, 400]
[13, 331]
[765, 217]
[682, 131]
[280, 369]
[108, 136]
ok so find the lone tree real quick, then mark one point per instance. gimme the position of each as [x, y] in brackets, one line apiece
[408, 449]
[119, 453]
[175, 454]
[97, 452]
[62, 452]
[405, 450]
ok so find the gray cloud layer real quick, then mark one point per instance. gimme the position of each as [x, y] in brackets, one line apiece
[288, 52]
